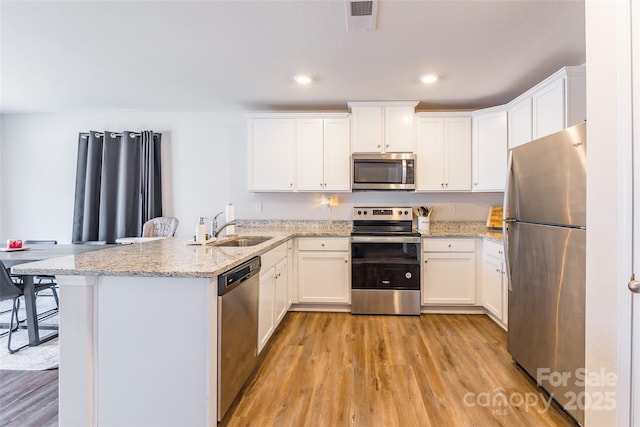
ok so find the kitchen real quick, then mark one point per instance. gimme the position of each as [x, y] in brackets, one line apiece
[206, 149]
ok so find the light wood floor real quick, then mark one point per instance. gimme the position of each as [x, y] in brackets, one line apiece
[335, 369]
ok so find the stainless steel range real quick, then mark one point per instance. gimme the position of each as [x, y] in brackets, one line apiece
[385, 261]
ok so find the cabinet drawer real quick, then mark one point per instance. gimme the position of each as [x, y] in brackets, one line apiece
[494, 249]
[449, 245]
[273, 257]
[323, 244]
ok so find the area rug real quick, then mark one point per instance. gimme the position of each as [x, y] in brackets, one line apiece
[42, 357]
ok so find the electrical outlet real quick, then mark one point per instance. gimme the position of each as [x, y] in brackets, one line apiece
[257, 207]
[451, 209]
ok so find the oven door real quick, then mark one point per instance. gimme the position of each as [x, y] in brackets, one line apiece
[385, 275]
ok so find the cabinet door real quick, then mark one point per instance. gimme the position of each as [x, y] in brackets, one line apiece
[337, 155]
[310, 155]
[490, 151]
[266, 306]
[430, 154]
[449, 278]
[323, 277]
[366, 129]
[457, 137]
[492, 289]
[548, 109]
[281, 290]
[520, 123]
[271, 154]
[399, 129]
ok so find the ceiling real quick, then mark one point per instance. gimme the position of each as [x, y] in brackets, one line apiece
[77, 56]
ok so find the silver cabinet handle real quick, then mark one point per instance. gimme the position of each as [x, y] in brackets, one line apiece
[634, 286]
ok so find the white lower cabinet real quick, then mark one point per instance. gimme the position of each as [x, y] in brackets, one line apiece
[494, 282]
[449, 271]
[273, 295]
[323, 270]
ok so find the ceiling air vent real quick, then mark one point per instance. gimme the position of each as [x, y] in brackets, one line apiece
[361, 15]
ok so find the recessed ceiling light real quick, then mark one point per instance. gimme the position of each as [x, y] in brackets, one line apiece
[429, 78]
[303, 79]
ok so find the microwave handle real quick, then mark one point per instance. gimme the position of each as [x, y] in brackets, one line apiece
[404, 171]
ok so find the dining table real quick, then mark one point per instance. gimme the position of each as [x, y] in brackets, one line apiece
[11, 258]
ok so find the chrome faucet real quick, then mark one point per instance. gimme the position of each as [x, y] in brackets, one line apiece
[214, 224]
[216, 232]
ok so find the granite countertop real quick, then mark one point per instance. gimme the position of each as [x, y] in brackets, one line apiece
[174, 258]
[462, 229]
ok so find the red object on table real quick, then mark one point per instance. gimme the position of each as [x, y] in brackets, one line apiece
[14, 244]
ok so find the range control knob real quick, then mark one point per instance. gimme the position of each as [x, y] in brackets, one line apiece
[359, 212]
[365, 212]
[399, 212]
[406, 212]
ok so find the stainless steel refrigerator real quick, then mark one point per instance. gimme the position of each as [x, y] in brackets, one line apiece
[545, 236]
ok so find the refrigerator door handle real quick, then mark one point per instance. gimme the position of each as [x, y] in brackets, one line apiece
[506, 219]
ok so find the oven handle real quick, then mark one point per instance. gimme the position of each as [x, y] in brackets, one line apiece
[384, 239]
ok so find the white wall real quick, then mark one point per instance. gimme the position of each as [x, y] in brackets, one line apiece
[608, 208]
[204, 168]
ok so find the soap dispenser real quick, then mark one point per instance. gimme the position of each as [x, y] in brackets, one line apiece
[201, 231]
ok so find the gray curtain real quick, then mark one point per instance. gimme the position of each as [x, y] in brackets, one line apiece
[118, 185]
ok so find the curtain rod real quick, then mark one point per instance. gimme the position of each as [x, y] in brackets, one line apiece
[85, 135]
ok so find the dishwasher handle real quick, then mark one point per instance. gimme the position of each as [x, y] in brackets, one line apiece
[230, 279]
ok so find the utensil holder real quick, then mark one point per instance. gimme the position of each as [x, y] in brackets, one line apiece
[424, 224]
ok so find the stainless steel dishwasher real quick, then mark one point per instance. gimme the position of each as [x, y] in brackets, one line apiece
[237, 330]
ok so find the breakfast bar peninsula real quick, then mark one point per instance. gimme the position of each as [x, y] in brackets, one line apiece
[138, 331]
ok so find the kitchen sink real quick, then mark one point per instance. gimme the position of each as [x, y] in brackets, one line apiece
[243, 241]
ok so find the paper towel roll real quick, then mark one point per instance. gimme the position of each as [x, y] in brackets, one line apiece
[230, 215]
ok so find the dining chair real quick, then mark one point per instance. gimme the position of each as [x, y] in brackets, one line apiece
[42, 279]
[13, 289]
[9, 290]
[162, 226]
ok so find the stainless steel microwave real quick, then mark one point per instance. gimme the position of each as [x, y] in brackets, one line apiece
[392, 171]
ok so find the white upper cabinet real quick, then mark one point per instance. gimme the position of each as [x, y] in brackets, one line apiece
[324, 155]
[520, 122]
[366, 129]
[548, 109]
[554, 104]
[271, 154]
[443, 152]
[299, 152]
[383, 127]
[489, 149]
